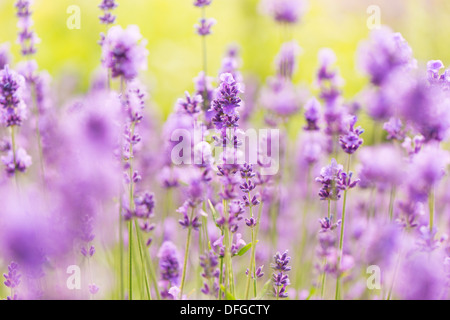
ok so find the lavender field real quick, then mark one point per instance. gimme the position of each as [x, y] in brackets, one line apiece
[190, 177]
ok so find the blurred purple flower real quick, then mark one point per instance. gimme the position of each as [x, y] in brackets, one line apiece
[124, 53]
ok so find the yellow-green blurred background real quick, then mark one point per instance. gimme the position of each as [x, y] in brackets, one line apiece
[175, 50]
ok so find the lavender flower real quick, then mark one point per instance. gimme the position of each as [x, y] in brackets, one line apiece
[226, 103]
[381, 166]
[327, 224]
[350, 142]
[280, 277]
[169, 265]
[188, 220]
[384, 53]
[281, 97]
[123, 51]
[191, 106]
[107, 6]
[284, 11]
[286, 61]
[394, 128]
[27, 38]
[13, 109]
[18, 162]
[204, 26]
[312, 114]
[12, 279]
[209, 263]
[329, 178]
[427, 169]
[202, 3]
[328, 78]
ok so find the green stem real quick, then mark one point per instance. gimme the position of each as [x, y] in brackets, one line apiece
[341, 239]
[130, 260]
[186, 256]
[147, 287]
[252, 256]
[391, 203]
[325, 260]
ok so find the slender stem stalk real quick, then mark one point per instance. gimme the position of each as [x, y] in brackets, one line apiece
[130, 260]
[431, 198]
[391, 203]
[186, 256]
[147, 287]
[341, 239]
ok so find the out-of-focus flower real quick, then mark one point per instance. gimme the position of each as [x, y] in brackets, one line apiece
[204, 26]
[12, 278]
[169, 264]
[427, 169]
[5, 55]
[202, 3]
[394, 128]
[286, 60]
[284, 11]
[381, 166]
[20, 161]
[107, 6]
[312, 114]
[190, 105]
[281, 97]
[27, 37]
[123, 51]
[384, 53]
[93, 288]
[421, 278]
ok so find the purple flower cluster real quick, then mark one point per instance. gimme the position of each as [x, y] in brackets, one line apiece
[350, 142]
[27, 37]
[280, 278]
[169, 266]
[285, 11]
[123, 52]
[107, 6]
[209, 263]
[13, 108]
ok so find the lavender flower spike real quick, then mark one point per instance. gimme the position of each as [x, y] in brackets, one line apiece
[12, 106]
[351, 141]
[202, 3]
[204, 26]
[12, 279]
[107, 6]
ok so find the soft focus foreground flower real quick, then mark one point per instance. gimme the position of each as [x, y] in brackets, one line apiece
[169, 265]
[384, 53]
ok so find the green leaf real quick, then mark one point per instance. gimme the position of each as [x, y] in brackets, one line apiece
[245, 249]
[267, 286]
[312, 291]
[228, 295]
[214, 213]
